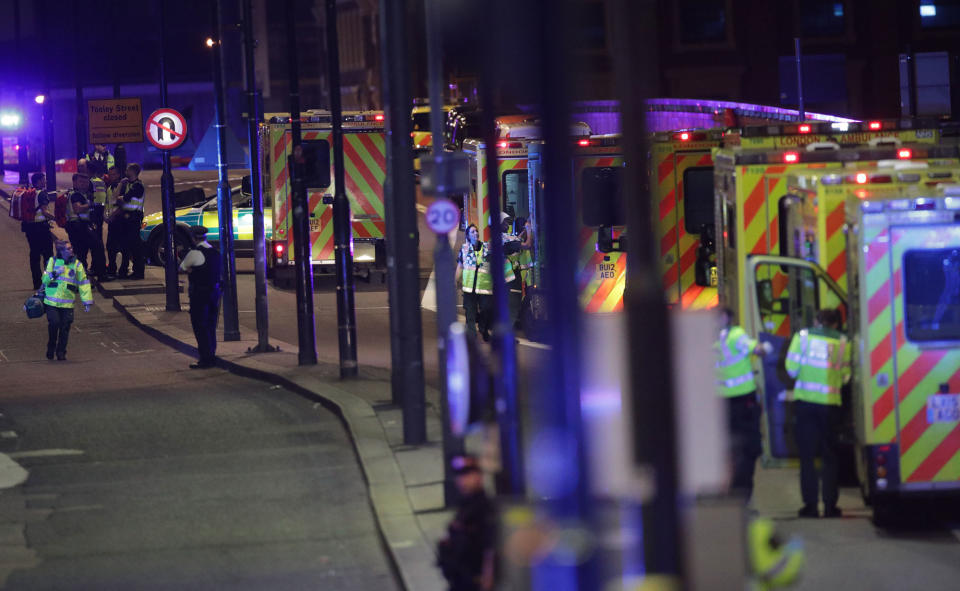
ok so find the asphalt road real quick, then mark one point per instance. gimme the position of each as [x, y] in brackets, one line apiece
[145, 474]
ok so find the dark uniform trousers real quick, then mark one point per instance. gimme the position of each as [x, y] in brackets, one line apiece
[204, 313]
[818, 426]
[131, 246]
[41, 247]
[84, 241]
[58, 329]
[743, 415]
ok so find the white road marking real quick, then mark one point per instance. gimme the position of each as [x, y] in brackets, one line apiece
[3, 357]
[45, 453]
[80, 508]
[8, 434]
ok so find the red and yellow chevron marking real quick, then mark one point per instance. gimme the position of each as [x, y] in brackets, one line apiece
[928, 452]
[479, 213]
[601, 277]
[677, 248]
[759, 189]
[364, 174]
[422, 139]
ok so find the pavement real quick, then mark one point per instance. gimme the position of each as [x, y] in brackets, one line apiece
[404, 482]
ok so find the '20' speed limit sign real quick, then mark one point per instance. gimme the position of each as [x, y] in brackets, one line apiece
[166, 128]
[443, 216]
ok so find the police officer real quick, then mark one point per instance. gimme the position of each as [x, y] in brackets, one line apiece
[112, 217]
[466, 275]
[38, 231]
[130, 201]
[63, 281]
[466, 555]
[202, 264]
[735, 382]
[101, 158]
[79, 226]
[819, 360]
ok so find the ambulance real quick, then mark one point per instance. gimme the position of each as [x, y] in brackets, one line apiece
[752, 168]
[364, 151]
[902, 310]
[804, 219]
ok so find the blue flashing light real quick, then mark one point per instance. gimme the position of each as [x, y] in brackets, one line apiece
[838, 10]
[10, 120]
[928, 10]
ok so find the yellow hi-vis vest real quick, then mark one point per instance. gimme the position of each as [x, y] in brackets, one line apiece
[99, 190]
[819, 359]
[63, 282]
[734, 371]
[484, 284]
[135, 205]
[468, 261]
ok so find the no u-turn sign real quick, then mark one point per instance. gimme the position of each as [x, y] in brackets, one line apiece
[166, 128]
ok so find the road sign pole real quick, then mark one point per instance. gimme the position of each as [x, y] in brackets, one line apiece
[402, 231]
[256, 186]
[231, 315]
[342, 231]
[171, 279]
[306, 336]
[78, 71]
[119, 152]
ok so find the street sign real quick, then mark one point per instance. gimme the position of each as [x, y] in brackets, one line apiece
[115, 121]
[443, 216]
[166, 128]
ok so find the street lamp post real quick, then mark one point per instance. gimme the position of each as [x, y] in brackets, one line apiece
[231, 318]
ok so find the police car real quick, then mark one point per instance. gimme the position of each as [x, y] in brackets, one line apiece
[204, 213]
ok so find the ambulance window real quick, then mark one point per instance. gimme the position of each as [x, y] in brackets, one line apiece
[515, 196]
[601, 198]
[730, 225]
[931, 294]
[697, 198]
[421, 121]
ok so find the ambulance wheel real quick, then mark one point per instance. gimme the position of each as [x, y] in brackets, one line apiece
[157, 246]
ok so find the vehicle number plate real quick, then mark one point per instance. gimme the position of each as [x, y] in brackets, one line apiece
[943, 408]
[314, 224]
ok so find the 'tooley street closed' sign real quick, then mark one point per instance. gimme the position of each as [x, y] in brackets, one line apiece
[115, 121]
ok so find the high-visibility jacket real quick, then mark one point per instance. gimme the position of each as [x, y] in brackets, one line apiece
[468, 263]
[72, 214]
[525, 260]
[135, 204]
[734, 371]
[99, 190]
[484, 285]
[819, 359]
[63, 282]
[773, 565]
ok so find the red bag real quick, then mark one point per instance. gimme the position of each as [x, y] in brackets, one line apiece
[23, 204]
[60, 208]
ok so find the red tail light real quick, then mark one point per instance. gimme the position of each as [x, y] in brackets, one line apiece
[378, 117]
[804, 129]
[278, 248]
[791, 157]
[583, 142]
[905, 154]
[684, 137]
[502, 145]
[875, 125]
[862, 178]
